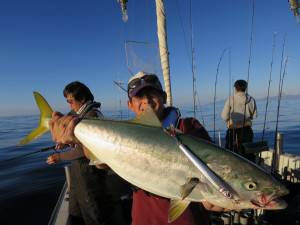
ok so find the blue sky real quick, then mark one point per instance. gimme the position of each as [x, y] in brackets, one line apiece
[45, 44]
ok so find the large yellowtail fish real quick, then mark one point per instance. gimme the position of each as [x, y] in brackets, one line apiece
[146, 155]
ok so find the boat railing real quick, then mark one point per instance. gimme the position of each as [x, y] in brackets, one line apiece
[60, 213]
[283, 165]
[286, 165]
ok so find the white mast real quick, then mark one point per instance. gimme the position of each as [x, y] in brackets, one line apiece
[162, 42]
[163, 47]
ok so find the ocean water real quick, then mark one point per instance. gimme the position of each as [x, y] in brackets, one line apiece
[288, 122]
[29, 187]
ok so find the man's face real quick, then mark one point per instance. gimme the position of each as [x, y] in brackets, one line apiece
[74, 105]
[147, 98]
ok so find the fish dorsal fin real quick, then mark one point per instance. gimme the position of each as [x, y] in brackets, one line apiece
[148, 117]
[177, 207]
[188, 187]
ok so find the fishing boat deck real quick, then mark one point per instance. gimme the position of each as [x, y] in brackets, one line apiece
[60, 213]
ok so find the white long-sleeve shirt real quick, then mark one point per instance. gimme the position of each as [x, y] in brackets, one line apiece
[234, 110]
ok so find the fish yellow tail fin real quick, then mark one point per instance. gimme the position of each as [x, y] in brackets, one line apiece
[45, 116]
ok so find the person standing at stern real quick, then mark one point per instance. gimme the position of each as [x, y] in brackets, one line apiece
[238, 112]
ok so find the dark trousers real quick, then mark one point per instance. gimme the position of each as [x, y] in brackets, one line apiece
[235, 138]
[91, 199]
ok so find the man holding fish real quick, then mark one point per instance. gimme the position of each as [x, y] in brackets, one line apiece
[174, 168]
[144, 91]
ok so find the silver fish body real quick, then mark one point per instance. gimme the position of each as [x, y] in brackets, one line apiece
[149, 158]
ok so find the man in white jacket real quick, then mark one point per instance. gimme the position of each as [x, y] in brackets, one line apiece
[238, 113]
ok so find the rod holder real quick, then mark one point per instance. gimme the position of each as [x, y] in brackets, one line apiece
[279, 145]
[278, 151]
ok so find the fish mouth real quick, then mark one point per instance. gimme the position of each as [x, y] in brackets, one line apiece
[269, 203]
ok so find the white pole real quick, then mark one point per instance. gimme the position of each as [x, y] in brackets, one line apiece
[163, 47]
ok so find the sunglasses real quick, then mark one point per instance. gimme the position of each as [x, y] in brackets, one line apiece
[147, 79]
[70, 101]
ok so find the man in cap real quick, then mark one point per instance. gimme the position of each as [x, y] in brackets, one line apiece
[144, 91]
[238, 113]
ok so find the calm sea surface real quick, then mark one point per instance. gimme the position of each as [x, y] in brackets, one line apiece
[29, 187]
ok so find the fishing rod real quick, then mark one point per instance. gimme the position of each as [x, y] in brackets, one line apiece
[274, 157]
[183, 31]
[249, 62]
[248, 74]
[230, 89]
[193, 62]
[120, 85]
[269, 84]
[215, 91]
[31, 153]
[201, 113]
[229, 72]
[196, 101]
[279, 100]
[251, 44]
[192, 58]
[281, 75]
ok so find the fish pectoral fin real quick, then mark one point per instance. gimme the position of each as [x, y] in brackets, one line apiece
[177, 207]
[148, 118]
[188, 187]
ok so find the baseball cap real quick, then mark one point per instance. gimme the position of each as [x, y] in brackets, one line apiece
[141, 80]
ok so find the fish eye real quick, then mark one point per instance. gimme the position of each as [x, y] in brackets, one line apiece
[251, 186]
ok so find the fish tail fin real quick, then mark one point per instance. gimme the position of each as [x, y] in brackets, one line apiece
[45, 116]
